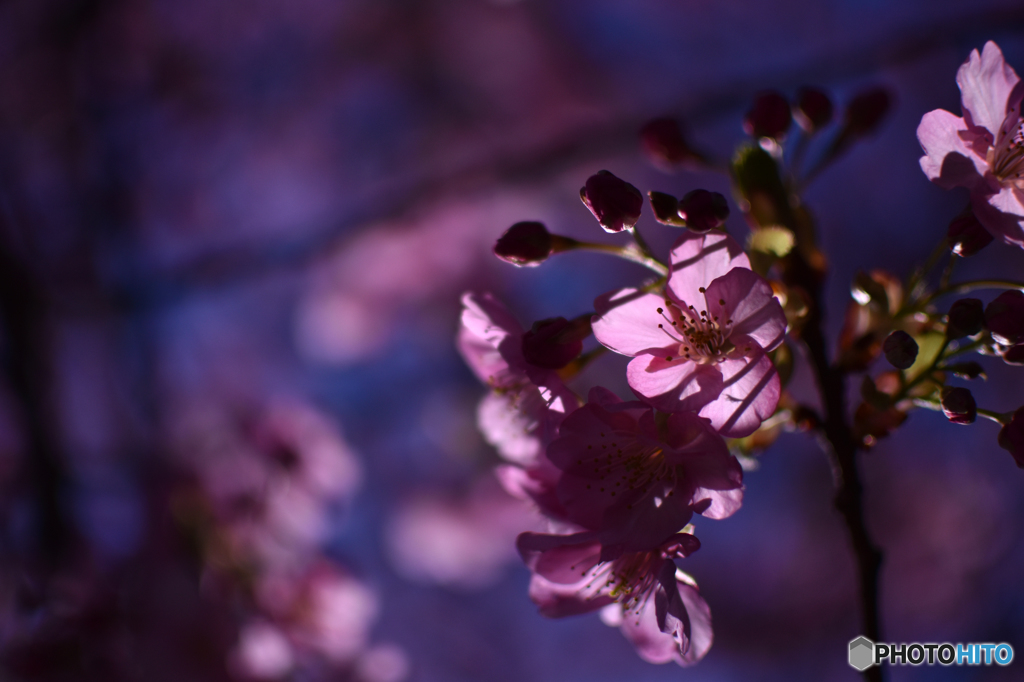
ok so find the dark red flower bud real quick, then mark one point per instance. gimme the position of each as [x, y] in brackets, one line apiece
[866, 110]
[524, 244]
[966, 236]
[1011, 437]
[958, 405]
[900, 349]
[555, 342]
[1004, 317]
[813, 109]
[664, 143]
[1014, 355]
[615, 203]
[966, 318]
[666, 209]
[703, 210]
[769, 117]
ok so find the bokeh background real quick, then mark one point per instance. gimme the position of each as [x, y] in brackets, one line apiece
[236, 440]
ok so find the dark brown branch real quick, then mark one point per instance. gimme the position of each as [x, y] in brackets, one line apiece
[843, 446]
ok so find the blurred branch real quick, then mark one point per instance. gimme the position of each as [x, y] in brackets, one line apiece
[586, 144]
[28, 371]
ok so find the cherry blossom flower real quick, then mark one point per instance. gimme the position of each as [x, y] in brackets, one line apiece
[702, 346]
[639, 481]
[984, 150]
[658, 608]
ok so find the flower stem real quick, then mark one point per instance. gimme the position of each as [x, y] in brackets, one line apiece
[642, 243]
[964, 287]
[630, 253]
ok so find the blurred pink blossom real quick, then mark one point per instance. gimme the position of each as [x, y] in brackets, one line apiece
[458, 541]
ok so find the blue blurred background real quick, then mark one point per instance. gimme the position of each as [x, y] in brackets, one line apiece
[233, 238]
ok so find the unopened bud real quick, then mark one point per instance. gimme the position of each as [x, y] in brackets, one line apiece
[1014, 355]
[900, 349]
[958, 405]
[615, 203]
[866, 110]
[664, 143]
[1004, 317]
[524, 244]
[1011, 437]
[966, 318]
[555, 342]
[666, 209]
[966, 236]
[813, 109]
[703, 210]
[769, 117]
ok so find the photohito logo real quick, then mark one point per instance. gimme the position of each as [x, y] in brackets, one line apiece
[864, 653]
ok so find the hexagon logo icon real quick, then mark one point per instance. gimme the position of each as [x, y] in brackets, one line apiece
[862, 653]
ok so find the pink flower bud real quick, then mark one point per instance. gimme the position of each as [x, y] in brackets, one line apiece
[769, 117]
[703, 211]
[900, 349]
[1011, 437]
[615, 203]
[866, 110]
[524, 244]
[555, 342]
[966, 236]
[1004, 317]
[966, 318]
[958, 405]
[663, 141]
[813, 110]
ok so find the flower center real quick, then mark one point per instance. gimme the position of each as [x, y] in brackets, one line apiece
[631, 580]
[1006, 156]
[701, 336]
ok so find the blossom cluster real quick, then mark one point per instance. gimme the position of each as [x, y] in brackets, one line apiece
[621, 480]
[711, 340]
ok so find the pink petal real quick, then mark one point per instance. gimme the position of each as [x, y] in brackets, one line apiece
[651, 644]
[508, 429]
[715, 475]
[536, 483]
[746, 298]
[948, 162]
[674, 386]
[489, 340]
[488, 318]
[558, 601]
[750, 394]
[721, 504]
[653, 519]
[701, 635]
[986, 82]
[1002, 214]
[627, 322]
[697, 259]
[562, 559]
